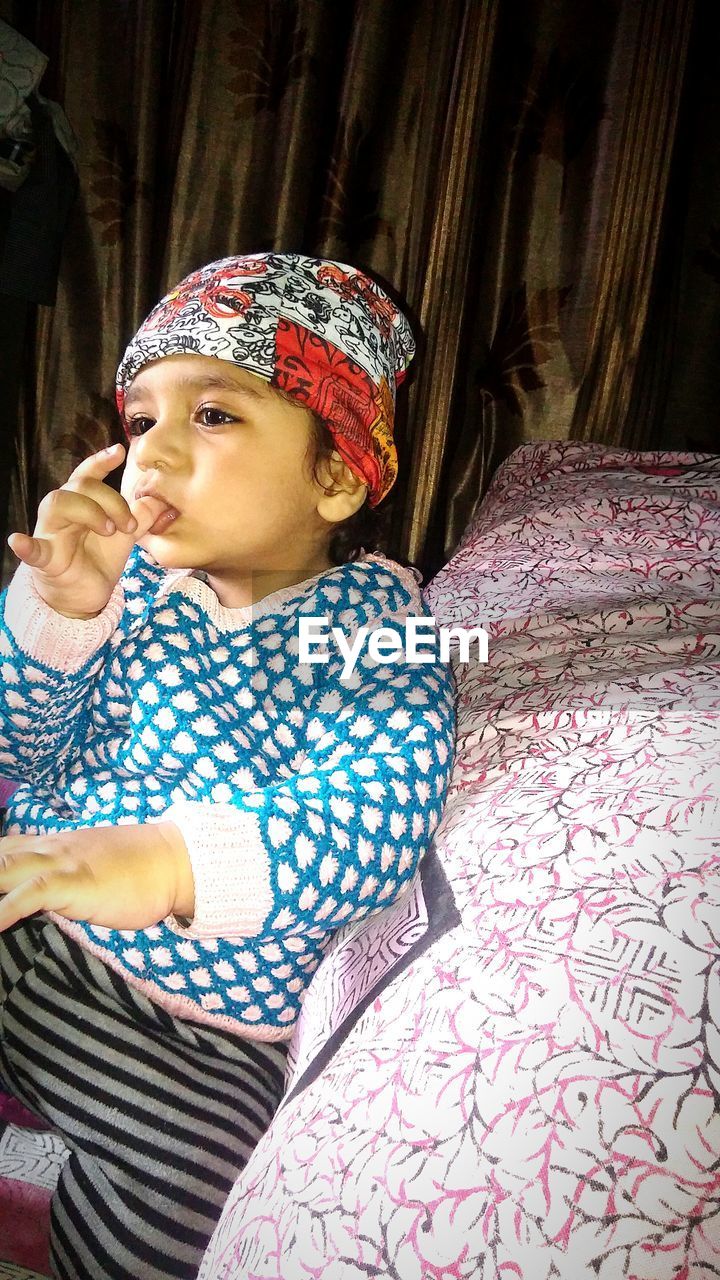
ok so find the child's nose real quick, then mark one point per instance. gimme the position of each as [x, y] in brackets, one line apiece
[159, 445]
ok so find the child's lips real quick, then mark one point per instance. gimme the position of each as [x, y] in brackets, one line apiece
[153, 513]
[164, 520]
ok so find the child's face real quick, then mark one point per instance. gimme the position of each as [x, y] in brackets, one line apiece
[230, 456]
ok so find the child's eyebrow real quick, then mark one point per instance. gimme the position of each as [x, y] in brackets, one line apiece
[199, 382]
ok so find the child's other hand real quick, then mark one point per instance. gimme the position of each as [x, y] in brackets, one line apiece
[126, 877]
[84, 534]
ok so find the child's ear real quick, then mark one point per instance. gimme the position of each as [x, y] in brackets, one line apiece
[342, 492]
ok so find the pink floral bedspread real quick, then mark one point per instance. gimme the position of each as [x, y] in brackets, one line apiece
[515, 1073]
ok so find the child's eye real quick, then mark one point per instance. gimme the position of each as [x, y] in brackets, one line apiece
[211, 417]
[138, 425]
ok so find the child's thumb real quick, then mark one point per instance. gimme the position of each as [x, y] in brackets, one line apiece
[146, 512]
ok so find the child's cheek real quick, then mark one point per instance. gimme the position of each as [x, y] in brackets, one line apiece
[128, 484]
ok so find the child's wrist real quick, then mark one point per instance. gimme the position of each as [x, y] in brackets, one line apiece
[68, 613]
[60, 601]
[64, 640]
[184, 894]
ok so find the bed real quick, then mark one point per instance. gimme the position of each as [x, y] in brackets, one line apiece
[515, 1071]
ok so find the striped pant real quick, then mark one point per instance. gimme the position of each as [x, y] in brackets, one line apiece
[159, 1115]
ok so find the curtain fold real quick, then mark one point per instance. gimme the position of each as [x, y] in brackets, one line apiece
[444, 295]
[519, 174]
[650, 59]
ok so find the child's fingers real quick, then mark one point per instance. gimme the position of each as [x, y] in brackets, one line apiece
[22, 880]
[146, 512]
[19, 857]
[98, 465]
[112, 503]
[35, 552]
[94, 469]
[41, 892]
[63, 508]
[36, 874]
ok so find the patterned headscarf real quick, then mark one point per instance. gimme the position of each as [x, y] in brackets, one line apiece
[322, 332]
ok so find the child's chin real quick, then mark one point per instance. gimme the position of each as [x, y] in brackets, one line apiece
[168, 557]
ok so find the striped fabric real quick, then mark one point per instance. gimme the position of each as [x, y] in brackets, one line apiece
[159, 1115]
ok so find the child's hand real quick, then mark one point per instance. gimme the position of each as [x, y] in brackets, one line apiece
[126, 877]
[84, 534]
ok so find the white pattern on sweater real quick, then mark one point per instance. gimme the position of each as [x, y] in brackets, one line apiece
[305, 801]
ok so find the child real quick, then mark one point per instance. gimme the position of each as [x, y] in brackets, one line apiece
[201, 806]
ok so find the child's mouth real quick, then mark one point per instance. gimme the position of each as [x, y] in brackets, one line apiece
[164, 520]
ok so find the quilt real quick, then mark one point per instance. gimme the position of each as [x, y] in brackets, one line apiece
[516, 1071]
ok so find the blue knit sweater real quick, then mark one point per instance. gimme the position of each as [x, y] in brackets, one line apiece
[305, 800]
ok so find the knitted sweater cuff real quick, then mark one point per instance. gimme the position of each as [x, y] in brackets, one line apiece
[65, 644]
[231, 870]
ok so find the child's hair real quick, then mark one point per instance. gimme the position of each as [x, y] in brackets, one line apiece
[362, 531]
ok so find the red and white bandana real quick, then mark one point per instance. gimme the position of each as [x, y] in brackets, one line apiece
[322, 332]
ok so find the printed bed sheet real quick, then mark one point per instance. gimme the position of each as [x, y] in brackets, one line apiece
[515, 1072]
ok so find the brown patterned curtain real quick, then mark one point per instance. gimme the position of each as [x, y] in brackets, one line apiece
[538, 179]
